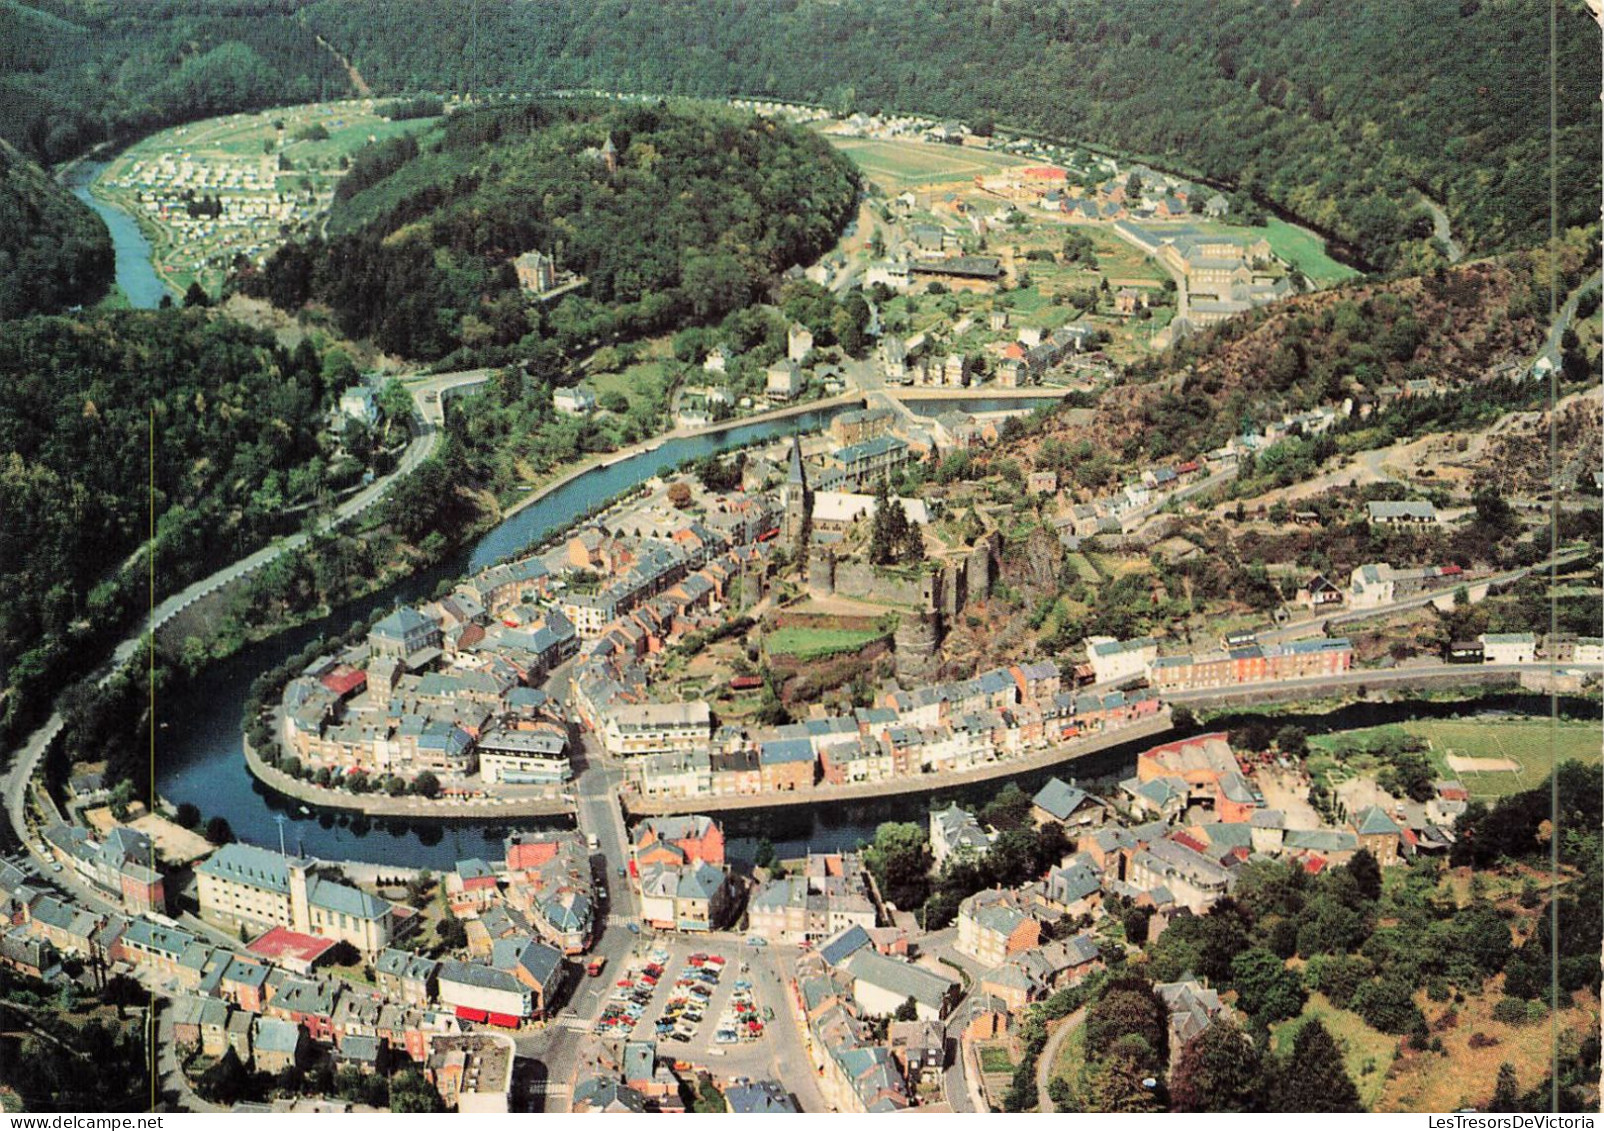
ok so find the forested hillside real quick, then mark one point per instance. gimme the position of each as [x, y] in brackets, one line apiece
[77, 72]
[54, 252]
[1450, 327]
[1330, 109]
[704, 209]
[236, 425]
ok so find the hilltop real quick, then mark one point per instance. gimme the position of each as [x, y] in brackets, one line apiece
[1337, 112]
[54, 252]
[651, 217]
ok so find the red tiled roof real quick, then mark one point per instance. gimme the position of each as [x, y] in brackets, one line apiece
[281, 943]
[344, 680]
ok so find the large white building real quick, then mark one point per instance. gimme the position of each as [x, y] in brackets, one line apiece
[635, 730]
[1509, 647]
[1120, 659]
[253, 887]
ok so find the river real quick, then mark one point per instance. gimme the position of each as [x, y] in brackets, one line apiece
[199, 753]
[135, 273]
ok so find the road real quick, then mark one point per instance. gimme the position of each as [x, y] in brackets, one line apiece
[1369, 678]
[25, 762]
[1440, 229]
[1315, 626]
[1049, 1055]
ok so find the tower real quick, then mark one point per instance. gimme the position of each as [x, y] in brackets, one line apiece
[794, 496]
[300, 906]
[609, 155]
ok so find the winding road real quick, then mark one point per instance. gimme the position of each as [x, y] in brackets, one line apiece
[1049, 1057]
[1441, 231]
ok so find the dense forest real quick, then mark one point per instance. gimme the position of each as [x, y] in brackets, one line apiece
[54, 252]
[1335, 111]
[74, 73]
[238, 454]
[703, 211]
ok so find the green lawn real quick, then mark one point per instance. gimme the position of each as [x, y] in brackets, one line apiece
[1534, 744]
[1299, 247]
[811, 643]
[1362, 1046]
[993, 1059]
[900, 165]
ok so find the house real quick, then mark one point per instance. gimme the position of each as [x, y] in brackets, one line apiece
[473, 1071]
[1319, 592]
[1415, 512]
[612, 1097]
[200, 1023]
[920, 1050]
[1508, 647]
[1113, 660]
[536, 965]
[783, 380]
[1068, 805]
[358, 404]
[881, 985]
[1192, 1008]
[993, 925]
[759, 1097]
[955, 830]
[278, 1044]
[575, 400]
[1380, 834]
[483, 993]
[536, 273]
[406, 977]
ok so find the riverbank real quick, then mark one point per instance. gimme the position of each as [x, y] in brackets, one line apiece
[383, 805]
[1149, 728]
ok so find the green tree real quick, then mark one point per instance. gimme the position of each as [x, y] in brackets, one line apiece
[907, 1011]
[1266, 989]
[411, 1094]
[1217, 1070]
[1366, 873]
[1506, 1092]
[426, 785]
[1313, 1078]
[218, 831]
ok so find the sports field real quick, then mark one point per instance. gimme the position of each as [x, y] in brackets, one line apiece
[900, 165]
[1299, 247]
[1529, 747]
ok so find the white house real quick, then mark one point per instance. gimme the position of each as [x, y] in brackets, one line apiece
[575, 401]
[1120, 659]
[1509, 647]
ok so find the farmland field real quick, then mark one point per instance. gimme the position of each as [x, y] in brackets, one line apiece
[811, 643]
[900, 165]
[1532, 744]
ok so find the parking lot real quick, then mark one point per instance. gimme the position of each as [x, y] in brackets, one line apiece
[716, 1003]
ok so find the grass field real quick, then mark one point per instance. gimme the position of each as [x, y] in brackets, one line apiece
[1533, 743]
[994, 1059]
[1466, 1076]
[1299, 247]
[1362, 1047]
[811, 643]
[901, 165]
[1083, 566]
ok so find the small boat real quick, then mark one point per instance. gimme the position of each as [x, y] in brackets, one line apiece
[303, 811]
